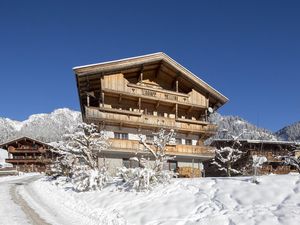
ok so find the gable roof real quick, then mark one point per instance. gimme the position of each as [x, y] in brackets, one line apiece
[140, 60]
[24, 138]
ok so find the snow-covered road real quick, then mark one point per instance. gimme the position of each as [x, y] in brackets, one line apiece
[14, 209]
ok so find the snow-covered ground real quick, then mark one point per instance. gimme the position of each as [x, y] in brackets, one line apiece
[3, 155]
[10, 212]
[276, 200]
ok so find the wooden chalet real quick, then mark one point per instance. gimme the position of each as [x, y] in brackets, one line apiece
[272, 150]
[28, 155]
[142, 94]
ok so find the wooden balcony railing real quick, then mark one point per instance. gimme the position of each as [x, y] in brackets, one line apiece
[158, 93]
[25, 150]
[135, 146]
[192, 149]
[155, 94]
[196, 126]
[28, 160]
[271, 157]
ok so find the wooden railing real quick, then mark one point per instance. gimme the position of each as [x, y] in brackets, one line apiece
[271, 157]
[158, 93]
[143, 92]
[135, 146]
[191, 149]
[120, 144]
[28, 160]
[149, 121]
[28, 150]
[267, 169]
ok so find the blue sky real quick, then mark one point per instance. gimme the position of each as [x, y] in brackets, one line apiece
[248, 50]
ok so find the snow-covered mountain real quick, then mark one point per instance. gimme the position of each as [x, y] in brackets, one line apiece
[234, 125]
[290, 133]
[50, 127]
[44, 127]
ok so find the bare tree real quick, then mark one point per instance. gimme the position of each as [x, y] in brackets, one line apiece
[225, 158]
[158, 147]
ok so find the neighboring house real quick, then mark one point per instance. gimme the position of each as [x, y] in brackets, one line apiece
[142, 94]
[28, 155]
[272, 150]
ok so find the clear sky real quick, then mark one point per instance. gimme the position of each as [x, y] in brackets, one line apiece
[248, 50]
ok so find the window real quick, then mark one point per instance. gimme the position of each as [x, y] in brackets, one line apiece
[149, 138]
[178, 141]
[123, 136]
[170, 165]
[188, 141]
[130, 163]
[126, 163]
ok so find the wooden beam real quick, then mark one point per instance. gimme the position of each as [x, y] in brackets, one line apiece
[157, 105]
[102, 99]
[140, 104]
[158, 70]
[141, 76]
[174, 107]
[207, 100]
[88, 100]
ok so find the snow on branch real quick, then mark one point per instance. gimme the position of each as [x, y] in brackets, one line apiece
[225, 159]
[79, 152]
[148, 175]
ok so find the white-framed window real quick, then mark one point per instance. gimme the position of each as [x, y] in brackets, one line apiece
[123, 136]
[188, 141]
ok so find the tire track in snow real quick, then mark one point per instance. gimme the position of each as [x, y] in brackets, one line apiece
[34, 218]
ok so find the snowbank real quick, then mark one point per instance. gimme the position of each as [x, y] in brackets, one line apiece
[186, 201]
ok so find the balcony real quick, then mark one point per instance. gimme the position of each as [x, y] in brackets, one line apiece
[128, 118]
[28, 160]
[155, 94]
[179, 150]
[12, 149]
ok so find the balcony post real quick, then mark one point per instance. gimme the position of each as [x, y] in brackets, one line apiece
[88, 100]
[140, 104]
[102, 98]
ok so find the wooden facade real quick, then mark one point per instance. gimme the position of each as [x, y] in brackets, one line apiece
[272, 150]
[29, 155]
[143, 94]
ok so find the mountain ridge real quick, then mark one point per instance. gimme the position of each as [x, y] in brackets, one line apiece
[49, 127]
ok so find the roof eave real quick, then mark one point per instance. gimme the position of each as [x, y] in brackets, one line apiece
[123, 63]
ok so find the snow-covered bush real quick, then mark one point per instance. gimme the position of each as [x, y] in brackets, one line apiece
[79, 152]
[143, 179]
[148, 175]
[292, 161]
[257, 162]
[85, 179]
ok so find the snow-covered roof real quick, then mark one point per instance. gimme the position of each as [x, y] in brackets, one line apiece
[138, 60]
[23, 138]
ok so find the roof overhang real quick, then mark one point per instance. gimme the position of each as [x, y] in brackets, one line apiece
[3, 145]
[127, 63]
